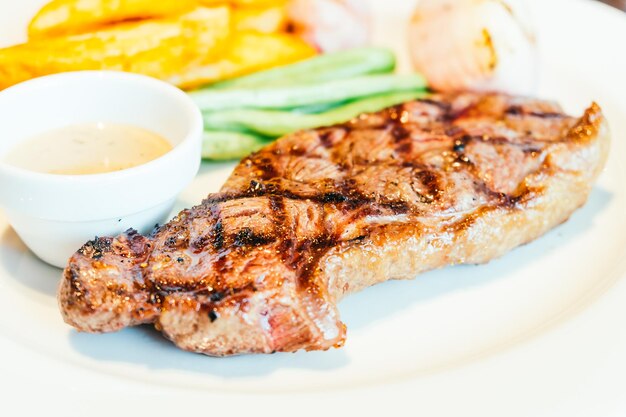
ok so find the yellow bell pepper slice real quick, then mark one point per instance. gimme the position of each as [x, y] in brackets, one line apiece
[161, 48]
[66, 17]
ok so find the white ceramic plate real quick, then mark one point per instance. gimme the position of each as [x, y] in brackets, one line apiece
[540, 332]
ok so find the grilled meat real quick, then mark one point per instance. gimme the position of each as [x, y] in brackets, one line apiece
[260, 266]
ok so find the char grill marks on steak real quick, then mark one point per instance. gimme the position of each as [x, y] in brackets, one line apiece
[260, 266]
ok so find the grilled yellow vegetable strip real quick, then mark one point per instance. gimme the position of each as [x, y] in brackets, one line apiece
[160, 48]
[246, 52]
[260, 19]
[245, 3]
[67, 17]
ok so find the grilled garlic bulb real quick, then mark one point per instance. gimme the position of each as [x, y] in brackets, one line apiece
[331, 25]
[480, 45]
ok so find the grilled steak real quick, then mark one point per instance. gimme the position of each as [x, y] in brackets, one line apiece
[260, 266]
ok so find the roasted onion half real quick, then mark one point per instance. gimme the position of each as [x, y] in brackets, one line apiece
[480, 45]
[331, 25]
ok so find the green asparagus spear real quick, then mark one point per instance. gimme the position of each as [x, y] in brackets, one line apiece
[278, 123]
[333, 66]
[223, 145]
[315, 108]
[305, 95]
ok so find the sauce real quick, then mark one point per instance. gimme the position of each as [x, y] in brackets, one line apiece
[91, 148]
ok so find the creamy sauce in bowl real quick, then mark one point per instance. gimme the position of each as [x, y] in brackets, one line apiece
[89, 148]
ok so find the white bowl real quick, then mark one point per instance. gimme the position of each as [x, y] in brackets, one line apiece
[55, 214]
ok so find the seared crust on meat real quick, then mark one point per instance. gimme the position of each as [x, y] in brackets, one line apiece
[260, 266]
